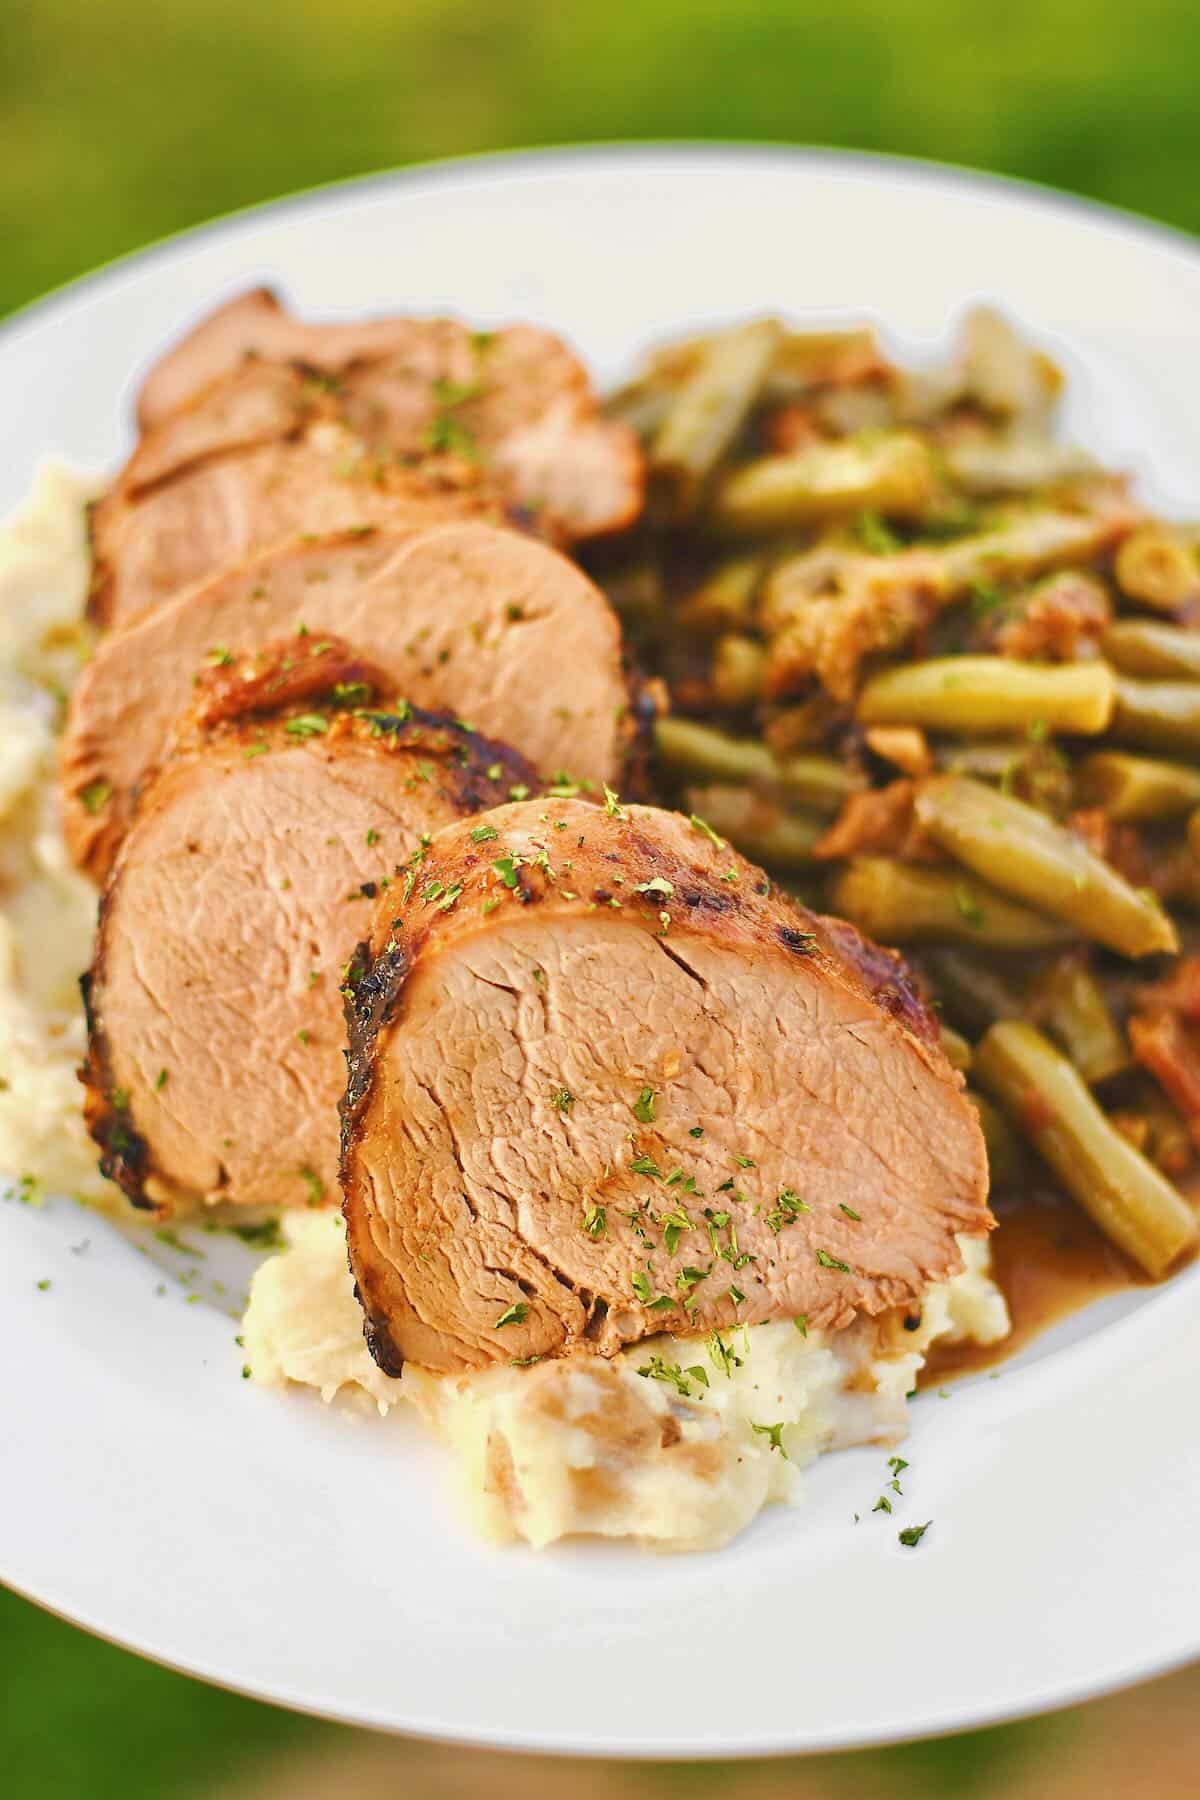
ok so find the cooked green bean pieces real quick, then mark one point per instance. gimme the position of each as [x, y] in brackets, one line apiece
[761, 831]
[736, 671]
[1069, 1002]
[1047, 1101]
[725, 601]
[912, 903]
[696, 752]
[1136, 788]
[709, 410]
[974, 993]
[1157, 715]
[1025, 854]
[1158, 567]
[1148, 647]
[1006, 1155]
[982, 695]
[887, 472]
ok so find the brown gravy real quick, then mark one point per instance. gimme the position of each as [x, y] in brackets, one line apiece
[1050, 1260]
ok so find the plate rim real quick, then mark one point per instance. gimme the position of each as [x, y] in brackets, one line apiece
[665, 153]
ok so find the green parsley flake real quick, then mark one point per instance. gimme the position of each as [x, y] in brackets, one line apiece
[506, 868]
[774, 1433]
[646, 1165]
[702, 825]
[306, 725]
[595, 1221]
[160, 1081]
[95, 796]
[801, 1324]
[658, 885]
[643, 1106]
[911, 1536]
[483, 834]
[786, 1210]
[612, 805]
[515, 1315]
[849, 1212]
[562, 1099]
[316, 1187]
[831, 1262]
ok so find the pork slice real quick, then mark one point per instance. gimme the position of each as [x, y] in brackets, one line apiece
[620, 1086]
[516, 400]
[499, 628]
[152, 538]
[216, 1034]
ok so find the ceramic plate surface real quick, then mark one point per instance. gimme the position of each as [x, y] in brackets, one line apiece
[260, 1541]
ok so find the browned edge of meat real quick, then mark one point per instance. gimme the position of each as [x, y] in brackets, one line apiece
[467, 616]
[676, 886]
[252, 700]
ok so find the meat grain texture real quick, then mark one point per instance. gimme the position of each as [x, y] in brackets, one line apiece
[494, 627]
[620, 1087]
[216, 1035]
[258, 425]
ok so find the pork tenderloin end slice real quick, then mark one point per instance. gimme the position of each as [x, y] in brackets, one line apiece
[623, 1087]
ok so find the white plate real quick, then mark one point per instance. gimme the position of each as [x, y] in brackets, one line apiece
[254, 1539]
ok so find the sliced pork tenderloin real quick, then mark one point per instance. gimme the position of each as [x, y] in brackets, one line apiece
[514, 404]
[216, 1034]
[495, 627]
[618, 1086]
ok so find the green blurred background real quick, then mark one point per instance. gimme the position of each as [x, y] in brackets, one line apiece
[121, 120]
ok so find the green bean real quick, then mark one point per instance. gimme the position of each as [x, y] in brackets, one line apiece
[1026, 545]
[973, 993]
[810, 360]
[978, 695]
[1027, 855]
[911, 903]
[1070, 1003]
[699, 753]
[761, 831]
[710, 409]
[1148, 647]
[1005, 1152]
[1158, 567]
[1136, 788]
[1157, 715]
[737, 668]
[1004, 465]
[1046, 1099]
[955, 1048]
[642, 406]
[889, 472]
[725, 601]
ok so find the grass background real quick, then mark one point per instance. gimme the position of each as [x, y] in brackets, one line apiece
[121, 120]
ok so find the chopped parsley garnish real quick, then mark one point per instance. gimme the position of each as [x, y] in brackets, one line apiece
[721, 1355]
[316, 1187]
[736, 1294]
[220, 657]
[160, 1081]
[265, 1235]
[658, 885]
[696, 1131]
[612, 804]
[849, 1212]
[643, 1106]
[518, 792]
[674, 1226]
[702, 825]
[595, 1221]
[95, 795]
[658, 1370]
[688, 1277]
[786, 1210]
[306, 725]
[372, 837]
[483, 834]
[744, 1162]
[514, 1315]
[646, 1165]
[43, 1285]
[883, 1504]
[506, 868]
[524, 1362]
[911, 1536]
[896, 1464]
[831, 1262]
[562, 1099]
[875, 535]
[801, 1324]
[774, 1434]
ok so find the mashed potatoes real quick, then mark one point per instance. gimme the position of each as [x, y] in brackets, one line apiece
[47, 911]
[677, 1442]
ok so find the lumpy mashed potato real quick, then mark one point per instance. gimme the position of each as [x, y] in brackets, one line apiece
[47, 911]
[677, 1442]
